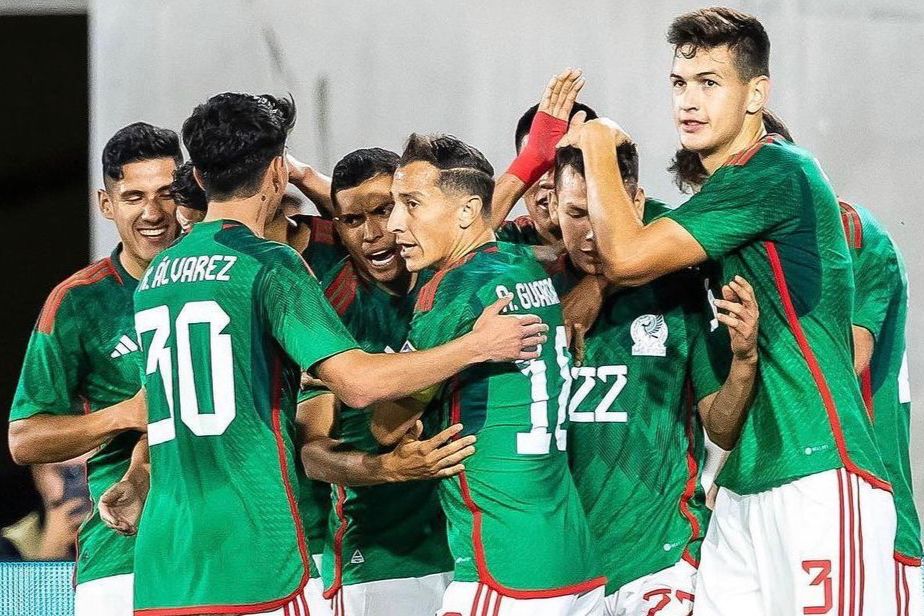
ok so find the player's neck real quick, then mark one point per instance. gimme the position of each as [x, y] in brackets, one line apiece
[132, 264]
[250, 212]
[278, 228]
[751, 132]
[470, 240]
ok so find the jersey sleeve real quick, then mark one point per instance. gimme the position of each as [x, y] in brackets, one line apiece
[298, 315]
[740, 204]
[876, 275]
[50, 374]
[311, 392]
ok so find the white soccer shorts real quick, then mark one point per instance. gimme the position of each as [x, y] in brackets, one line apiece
[108, 596]
[465, 598]
[822, 544]
[668, 592]
[407, 596]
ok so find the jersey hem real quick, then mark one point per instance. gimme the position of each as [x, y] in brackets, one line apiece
[337, 584]
[818, 376]
[908, 561]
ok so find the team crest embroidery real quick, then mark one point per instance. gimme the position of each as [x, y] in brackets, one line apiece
[649, 333]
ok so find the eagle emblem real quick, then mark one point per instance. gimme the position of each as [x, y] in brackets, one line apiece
[649, 335]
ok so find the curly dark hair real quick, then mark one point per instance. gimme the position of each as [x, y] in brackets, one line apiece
[626, 158]
[233, 137]
[716, 26]
[359, 166]
[186, 190]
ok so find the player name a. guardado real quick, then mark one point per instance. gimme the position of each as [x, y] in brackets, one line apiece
[535, 294]
[188, 269]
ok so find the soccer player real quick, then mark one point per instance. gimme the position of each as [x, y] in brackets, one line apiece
[537, 227]
[517, 532]
[386, 550]
[227, 322]
[79, 388]
[788, 526]
[635, 443]
[880, 360]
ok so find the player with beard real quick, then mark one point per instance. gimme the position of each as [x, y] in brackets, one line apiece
[635, 442]
[79, 388]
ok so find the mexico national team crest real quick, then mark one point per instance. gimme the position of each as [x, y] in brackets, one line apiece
[649, 335]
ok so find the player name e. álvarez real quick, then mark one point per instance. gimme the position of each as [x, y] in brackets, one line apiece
[188, 269]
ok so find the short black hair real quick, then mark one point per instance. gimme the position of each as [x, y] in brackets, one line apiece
[626, 158]
[359, 166]
[232, 138]
[526, 120]
[135, 142]
[186, 190]
[688, 169]
[717, 26]
[462, 167]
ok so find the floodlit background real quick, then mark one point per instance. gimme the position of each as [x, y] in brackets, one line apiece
[848, 77]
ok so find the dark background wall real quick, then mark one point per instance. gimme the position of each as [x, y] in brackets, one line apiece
[44, 233]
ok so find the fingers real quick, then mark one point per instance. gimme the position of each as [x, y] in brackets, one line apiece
[435, 441]
[499, 305]
[729, 321]
[529, 330]
[450, 472]
[455, 458]
[733, 307]
[744, 290]
[568, 96]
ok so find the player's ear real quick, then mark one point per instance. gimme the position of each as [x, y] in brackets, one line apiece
[279, 174]
[470, 211]
[553, 208]
[198, 177]
[639, 198]
[104, 203]
[759, 93]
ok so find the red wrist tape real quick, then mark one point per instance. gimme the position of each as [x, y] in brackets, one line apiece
[538, 155]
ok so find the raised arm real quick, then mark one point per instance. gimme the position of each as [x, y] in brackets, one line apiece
[632, 253]
[538, 155]
[312, 184]
[723, 412]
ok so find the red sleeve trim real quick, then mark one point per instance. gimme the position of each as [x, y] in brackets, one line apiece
[818, 376]
[322, 230]
[337, 583]
[853, 225]
[87, 276]
[342, 290]
[428, 291]
[524, 222]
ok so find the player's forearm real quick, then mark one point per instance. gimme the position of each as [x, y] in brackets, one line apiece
[863, 345]
[45, 438]
[325, 459]
[139, 469]
[390, 376]
[612, 213]
[315, 186]
[507, 191]
[725, 416]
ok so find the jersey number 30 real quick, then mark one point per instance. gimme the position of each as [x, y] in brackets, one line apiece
[160, 359]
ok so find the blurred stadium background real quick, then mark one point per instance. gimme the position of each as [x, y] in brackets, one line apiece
[848, 76]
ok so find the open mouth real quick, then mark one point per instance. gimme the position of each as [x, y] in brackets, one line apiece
[382, 258]
[691, 125]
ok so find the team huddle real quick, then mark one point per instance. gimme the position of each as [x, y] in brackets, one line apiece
[411, 405]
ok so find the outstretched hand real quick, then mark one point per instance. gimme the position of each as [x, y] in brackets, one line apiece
[741, 315]
[561, 92]
[434, 458]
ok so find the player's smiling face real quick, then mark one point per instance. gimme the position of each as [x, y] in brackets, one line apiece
[142, 208]
[424, 219]
[710, 100]
[570, 209]
[362, 219]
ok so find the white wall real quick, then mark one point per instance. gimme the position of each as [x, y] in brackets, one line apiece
[847, 77]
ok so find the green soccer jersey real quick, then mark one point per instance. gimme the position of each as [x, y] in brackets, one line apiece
[227, 323]
[770, 215]
[388, 531]
[82, 358]
[520, 230]
[324, 250]
[635, 442]
[880, 307]
[515, 518]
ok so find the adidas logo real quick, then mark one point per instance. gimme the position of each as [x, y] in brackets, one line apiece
[357, 558]
[126, 345]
